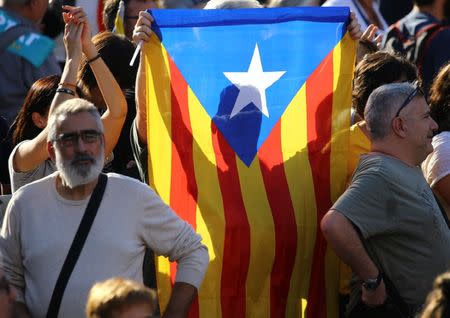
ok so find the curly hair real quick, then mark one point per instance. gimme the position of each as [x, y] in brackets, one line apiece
[440, 99]
[377, 69]
[437, 303]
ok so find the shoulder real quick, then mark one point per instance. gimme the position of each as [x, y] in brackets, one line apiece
[130, 186]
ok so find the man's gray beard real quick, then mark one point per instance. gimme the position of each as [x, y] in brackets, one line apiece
[74, 175]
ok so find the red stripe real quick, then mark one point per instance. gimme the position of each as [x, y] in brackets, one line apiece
[236, 251]
[319, 100]
[183, 186]
[100, 22]
[277, 188]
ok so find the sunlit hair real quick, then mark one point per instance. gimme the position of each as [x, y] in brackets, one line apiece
[71, 107]
[377, 69]
[116, 294]
[116, 51]
[440, 99]
[38, 100]
[437, 303]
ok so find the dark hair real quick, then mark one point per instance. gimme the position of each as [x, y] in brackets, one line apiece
[116, 51]
[38, 100]
[440, 99]
[437, 303]
[377, 69]
[423, 2]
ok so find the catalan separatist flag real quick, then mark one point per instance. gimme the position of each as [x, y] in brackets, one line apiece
[242, 109]
[120, 18]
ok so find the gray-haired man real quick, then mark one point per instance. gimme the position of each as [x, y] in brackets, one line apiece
[42, 219]
[388, 221]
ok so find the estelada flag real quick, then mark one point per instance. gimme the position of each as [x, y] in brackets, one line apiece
[242, 108]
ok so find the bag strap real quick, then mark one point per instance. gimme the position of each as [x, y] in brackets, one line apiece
[10, 35]
[77, 246]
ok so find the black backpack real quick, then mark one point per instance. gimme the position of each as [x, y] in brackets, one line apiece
[415, 47]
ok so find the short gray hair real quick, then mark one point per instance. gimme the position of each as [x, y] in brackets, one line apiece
[232, 4]
[68, 108]
[382, 105]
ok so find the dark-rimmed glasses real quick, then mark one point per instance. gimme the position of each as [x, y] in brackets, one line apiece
[417, 90]
[88, 136]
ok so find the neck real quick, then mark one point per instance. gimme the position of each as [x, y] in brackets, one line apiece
[396, 151]
[432, 9]
[78, 193]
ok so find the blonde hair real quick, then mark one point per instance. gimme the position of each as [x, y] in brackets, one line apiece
[437, 303]
[116, 294]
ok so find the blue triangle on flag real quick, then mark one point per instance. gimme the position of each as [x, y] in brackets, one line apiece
[206, 45]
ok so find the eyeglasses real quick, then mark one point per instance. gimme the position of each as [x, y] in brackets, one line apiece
[71, 139]
[417, 91]
[4, 284]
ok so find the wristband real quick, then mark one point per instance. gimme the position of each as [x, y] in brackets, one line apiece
[65, 91]
[94, 58]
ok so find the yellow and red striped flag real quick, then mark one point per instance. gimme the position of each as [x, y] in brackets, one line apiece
[242, 109]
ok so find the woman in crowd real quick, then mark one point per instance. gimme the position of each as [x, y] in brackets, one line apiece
[436, 167]
[29, 159]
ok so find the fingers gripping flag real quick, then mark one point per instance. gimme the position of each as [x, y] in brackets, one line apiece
[242, 109]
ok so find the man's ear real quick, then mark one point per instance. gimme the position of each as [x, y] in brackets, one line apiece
[399, 127]
[51, 150]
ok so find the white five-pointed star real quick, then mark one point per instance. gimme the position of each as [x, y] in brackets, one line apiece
[252, 85]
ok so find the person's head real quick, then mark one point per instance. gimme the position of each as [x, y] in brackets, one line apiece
[377, 69]
[183, 4]
[120, 298]
[437, 303]
[232, 4]
[75, 141]
[32, 117]
[398, 117]
[440, 99]
[33, 10]
[289, 3]
[132, 9]
[116, 51]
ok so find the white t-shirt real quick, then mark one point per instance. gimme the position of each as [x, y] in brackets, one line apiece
[437, 165]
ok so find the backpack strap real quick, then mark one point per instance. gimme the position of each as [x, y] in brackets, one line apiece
[10, 35]
[433, 30]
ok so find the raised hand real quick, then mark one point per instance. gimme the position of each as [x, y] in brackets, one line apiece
[354, 28]
[72, 41]
[78, 16]
[142, 30]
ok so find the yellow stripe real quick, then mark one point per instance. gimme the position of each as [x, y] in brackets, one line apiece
[159, 140]
[343, 65]
[210, 214]
[299, 177]
[262, 231]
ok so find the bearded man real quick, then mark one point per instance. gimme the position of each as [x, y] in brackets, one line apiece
[43, 217]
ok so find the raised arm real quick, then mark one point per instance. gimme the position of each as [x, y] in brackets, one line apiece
[142, 32]
[32, 153]
[116, 105]
[344, 240]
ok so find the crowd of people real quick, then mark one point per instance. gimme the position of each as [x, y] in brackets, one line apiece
[74, 135]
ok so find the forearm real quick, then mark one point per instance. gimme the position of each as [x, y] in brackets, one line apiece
[110, 89]
[344, 240]
[141, 103]
[180, 301]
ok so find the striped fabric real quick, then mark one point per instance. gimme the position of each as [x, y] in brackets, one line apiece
[259, 218]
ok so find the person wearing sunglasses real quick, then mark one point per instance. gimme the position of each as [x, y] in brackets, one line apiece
[387, 226]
